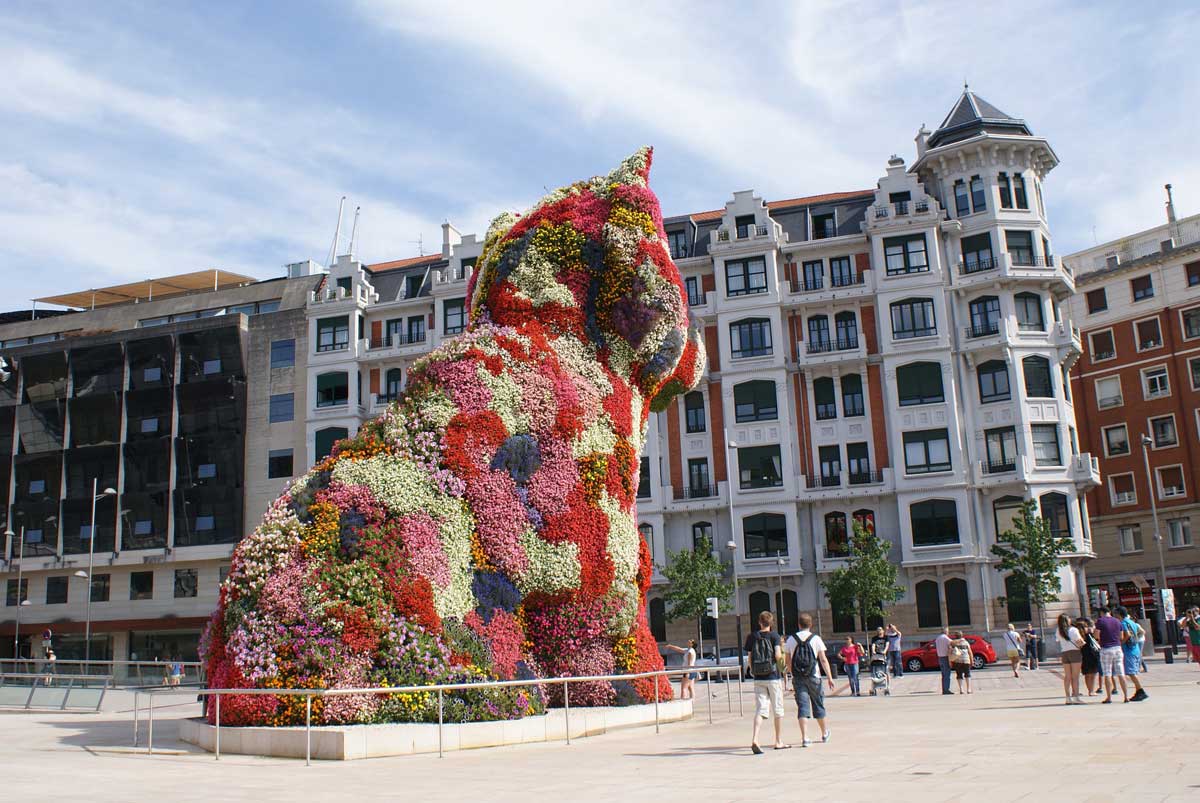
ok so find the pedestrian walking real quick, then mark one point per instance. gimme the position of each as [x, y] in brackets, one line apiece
[942, 645]
[765, 650]
[961, 658]
[1112, 661]
[1070, 645]
[894, 650]
[687, 682]
[878, 645]
[851, 653]
[1012, 643]
[806, 655]
[1031, 637]
[51, 660]
[1191, 625]
[1132, 639]
[1090, 652]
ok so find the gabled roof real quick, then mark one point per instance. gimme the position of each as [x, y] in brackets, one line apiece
[972, 115]
[808, 200]
[400, 264]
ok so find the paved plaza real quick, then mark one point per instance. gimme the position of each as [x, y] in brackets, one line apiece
[1010, 740]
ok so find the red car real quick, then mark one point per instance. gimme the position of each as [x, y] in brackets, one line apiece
[925, 656]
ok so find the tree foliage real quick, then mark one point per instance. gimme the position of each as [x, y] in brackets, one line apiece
[694, 575]
[868, 580]
[1032, 554]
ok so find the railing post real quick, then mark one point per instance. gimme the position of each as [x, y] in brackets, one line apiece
[741, 692]
[656, 679]
[136, 694]
[728, 694]
[307, 730]
[218, 721]
[567, 708]
[708, 692]
[150, 728]
[441, 699]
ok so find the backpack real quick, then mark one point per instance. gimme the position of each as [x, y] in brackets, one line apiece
[804, 660]
[762, 656]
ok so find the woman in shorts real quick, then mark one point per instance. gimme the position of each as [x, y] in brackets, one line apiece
[1070, 644]
[961, 658]
[1091, 656]
[1012, 640]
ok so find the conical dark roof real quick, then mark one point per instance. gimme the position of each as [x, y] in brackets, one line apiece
[972, 115]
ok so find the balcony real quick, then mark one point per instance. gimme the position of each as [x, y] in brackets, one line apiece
[1068, 339]
[741, 234]
[1085, 470]
[847, 485]
[846, 343]
[898, 210]
[831, 350]
[866, 478]
[395, 344]
[824, 481]
[968, 268]
[1018, 266]
[987, 329]
[696, 492]
[1003, 466]
[332, 293]
[820, 291]
[1006, 471]
[384, 399]
[832, 556]
[699, 497]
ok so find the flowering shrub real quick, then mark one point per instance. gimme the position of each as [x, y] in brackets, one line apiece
[484, 525]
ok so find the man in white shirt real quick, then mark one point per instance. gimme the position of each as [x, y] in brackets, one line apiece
[942, 645]
[806, 667]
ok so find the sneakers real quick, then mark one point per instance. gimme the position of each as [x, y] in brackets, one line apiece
[825, 737]
[1138, 696]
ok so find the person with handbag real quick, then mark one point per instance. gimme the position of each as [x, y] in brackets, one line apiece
[961, 658]
[1012, 641]
[1090, 652]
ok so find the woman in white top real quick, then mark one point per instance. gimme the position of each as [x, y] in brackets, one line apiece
[1070, 640]
[1012, 640]
[687, 684]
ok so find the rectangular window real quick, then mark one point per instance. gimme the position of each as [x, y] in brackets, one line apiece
[416, 329]
[37, 486]
[185, 583]
[1108, 392]
[333, 389]
[1020, 247]
[1019, 191]
[56, 590]
[744, 224]
[745, 276]
[760, 467]
[1170, 482]
[926, 451]
[698, 479]
[282, 408]
[905, 254]
[1097, 301]
[1194, 370]
[151, 375]
[765, 535]
[1179, 533]
[913, 317]
[1103, 346]
[101, 587]
[978, 195]
[694, 297]
[1001, 450]
[11, 597]
[279, 463]
[920, 383]
[823, 227]
[1162, 430]
[818, 334]
[1038, 382]
[333, 334]
[825, 399]
[1030, 316]
[283, 353]
[830, 458]
[977, 253]
[1142, 287]
[755, 401]
[858, 463]
[962, 200]
[678, 243]
[1149, 334]
[1123, 488]
[1191, 323]
[841, 272]
[206, 471]
[751, 338]
[693, 405]
[814, 275]
[454, 316]
[1045, 445]
[934, 522]
[1131, 538]
[1155, 382]
[644, 489]
[993, 382]
[1193, 274]
[1005, 183]
[148, 426]
[1116, 440]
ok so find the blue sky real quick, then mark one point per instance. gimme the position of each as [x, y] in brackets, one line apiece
[156, 138]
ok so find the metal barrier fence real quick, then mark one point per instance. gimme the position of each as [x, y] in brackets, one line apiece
[51, 690]
[120, 673]
[441, 688]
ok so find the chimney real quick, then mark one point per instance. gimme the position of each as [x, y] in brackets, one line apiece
[450, 237]
[1172, 223]
[921, 138]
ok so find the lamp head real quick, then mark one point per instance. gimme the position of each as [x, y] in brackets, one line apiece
[81, 573]
[731, 545]
[109, 492]
[1146, 440]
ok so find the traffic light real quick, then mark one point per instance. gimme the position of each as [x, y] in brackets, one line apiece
[712, 607]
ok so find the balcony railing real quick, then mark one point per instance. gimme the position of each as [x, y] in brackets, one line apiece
[836, 551]
[387, 398]
[866, 477]
[1004, 466]
[830, 346]
[847, 279]
[808, 285]
[1022, 259]
[976, 266]
[983, 330]
[834, 481]
[695, 492]
[395, 339]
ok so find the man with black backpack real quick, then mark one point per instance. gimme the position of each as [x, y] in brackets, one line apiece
[806, 655]
[765, 651]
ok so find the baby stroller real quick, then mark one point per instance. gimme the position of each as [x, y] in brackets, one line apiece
[880, 680]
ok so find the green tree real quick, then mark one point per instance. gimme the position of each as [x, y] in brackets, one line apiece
[695, 575]
[1032, 554]
[868, 580]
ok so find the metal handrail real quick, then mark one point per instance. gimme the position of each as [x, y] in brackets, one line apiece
[46, 681]
[441, 689]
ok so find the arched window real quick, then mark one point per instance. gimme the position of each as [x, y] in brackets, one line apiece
[818, 334]
[866, 519]
[1038, 384]
[846, 328]
[765, 535]
[702, 531]
[693, 405]
[852, 396]
[1005, 512]
[843, 618]
[750, 337]
[647, 533]
[1030, 317]
[823, 397]
[958, 605]
[658, 619]
[1016, 600]
[919, 383]
[394, 379]
[755, 401]
[934, 522]
[929, 604]
[913, 317]
[993, 381]
[985, 316]
[1055, 512]
[787, 611]
[836, 543]
[324, 439]
[759, 601]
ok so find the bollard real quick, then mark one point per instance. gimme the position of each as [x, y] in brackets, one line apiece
[440, 717]
[307, 730]
[567, 708]
[218, 737]
[656, 679]
[150, 728]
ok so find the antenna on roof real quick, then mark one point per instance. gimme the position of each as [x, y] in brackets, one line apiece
[337, 233]
[354, 230]
[420, 244]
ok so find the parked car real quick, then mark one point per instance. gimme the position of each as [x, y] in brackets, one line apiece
[925, 656]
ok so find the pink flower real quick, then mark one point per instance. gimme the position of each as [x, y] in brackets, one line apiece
[419, 532]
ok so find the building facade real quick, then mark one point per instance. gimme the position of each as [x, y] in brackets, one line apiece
[1138, 387]
[178, 395]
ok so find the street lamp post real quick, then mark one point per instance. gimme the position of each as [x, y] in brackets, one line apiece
[1162, 562]
[20, 601]
[731, 545]
[87, 642]
[779, 563]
